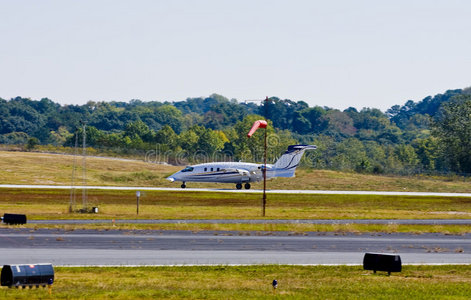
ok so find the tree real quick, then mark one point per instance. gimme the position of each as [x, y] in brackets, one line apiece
[351, 155]
[453, 130]
[188, 140]
[407, 156]
[340, 123]
[106, 117]
[93, 137]
[14, 138]
[32, 143]
[59, 137]
[166, 136]
[139, 129]
[169, 115]
[427, 152]
[309, 120]
[210, 142]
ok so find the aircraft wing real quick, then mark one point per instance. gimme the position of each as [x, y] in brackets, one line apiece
[241, 172]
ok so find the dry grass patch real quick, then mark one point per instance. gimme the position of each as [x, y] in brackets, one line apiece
[44, 168]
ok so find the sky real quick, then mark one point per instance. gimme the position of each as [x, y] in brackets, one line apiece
[329, 53]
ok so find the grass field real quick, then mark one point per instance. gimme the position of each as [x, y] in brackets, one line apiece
[50, 203]
[53, 204]
[43, 168]
[37, 168]
[253, 282]
[235, 282]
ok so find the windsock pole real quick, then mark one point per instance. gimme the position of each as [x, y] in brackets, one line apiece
[264, 197]
[255, 126]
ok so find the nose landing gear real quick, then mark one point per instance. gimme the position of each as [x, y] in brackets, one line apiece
[183, 185]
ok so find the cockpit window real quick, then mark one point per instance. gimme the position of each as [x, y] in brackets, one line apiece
[187, 169]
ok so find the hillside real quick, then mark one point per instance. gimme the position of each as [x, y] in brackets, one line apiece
[55, 169]
[405, 140]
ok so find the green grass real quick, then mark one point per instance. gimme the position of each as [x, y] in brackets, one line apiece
[40, 204]
[49, 203]
[253, 282]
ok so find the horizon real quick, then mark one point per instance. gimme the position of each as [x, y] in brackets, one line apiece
[229, 99]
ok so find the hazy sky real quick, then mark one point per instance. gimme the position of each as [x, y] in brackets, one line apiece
[328, 53]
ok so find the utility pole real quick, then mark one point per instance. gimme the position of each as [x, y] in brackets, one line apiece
[84, 166]
[73, 194]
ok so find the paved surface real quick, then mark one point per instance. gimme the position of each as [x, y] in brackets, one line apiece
[129, 188]
[90, 247]
[97, 257]
[259, 221]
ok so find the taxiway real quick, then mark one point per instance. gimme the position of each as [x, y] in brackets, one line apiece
[115, 247]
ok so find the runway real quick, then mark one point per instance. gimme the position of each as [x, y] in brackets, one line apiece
[93, 248]
[90, 247]
[128, 188]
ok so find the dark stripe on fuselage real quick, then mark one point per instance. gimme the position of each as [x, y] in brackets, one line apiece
[212, 174]
[229, 177]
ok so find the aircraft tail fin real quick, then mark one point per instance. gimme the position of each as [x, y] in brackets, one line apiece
[286, 165]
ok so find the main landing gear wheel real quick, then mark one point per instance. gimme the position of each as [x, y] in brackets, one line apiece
[247, 186]
[183, 185]
[239, 186]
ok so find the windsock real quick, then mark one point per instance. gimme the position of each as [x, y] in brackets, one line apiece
[256, 125]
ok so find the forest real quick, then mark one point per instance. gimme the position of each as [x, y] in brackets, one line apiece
[432, 136]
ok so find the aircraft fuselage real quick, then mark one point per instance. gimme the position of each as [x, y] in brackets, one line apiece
[223, 172]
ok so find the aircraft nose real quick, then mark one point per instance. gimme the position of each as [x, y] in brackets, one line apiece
[171, 179]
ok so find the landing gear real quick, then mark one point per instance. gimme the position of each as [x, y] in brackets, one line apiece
[183, 185]
[239, 186]
[247, 186]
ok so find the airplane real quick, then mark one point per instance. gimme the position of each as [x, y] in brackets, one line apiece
[242, 172]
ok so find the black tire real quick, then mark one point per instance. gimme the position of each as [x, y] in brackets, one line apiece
[239, 186]
[247, 186]
[183, 185]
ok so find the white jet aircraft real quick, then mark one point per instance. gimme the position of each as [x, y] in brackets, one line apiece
[242, 172]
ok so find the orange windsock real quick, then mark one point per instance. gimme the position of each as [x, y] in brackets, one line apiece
[256, 125]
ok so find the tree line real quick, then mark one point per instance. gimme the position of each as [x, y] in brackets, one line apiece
[429, 136]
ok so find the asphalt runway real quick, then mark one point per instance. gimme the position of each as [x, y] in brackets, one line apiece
[92, 248]
[115, 247]
[130, 188]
